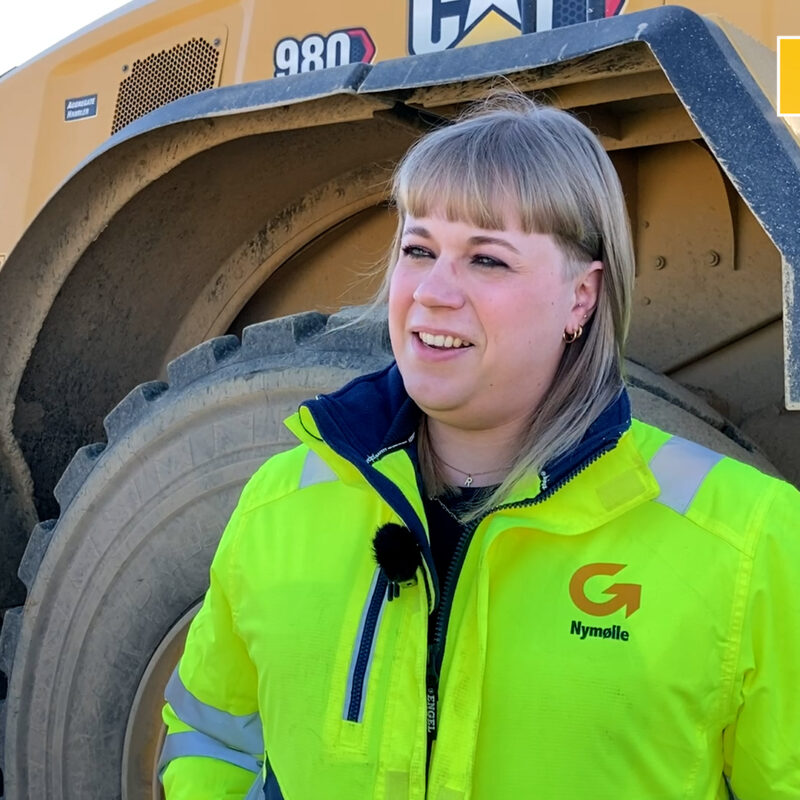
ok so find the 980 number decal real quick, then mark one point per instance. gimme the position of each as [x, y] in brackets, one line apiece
[316, 51]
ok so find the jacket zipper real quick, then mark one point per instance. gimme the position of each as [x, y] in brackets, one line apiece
[436, 647]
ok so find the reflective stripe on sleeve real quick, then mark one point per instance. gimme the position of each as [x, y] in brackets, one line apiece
[193, 743]
[680, 467]
[240, 732]
[315, 470]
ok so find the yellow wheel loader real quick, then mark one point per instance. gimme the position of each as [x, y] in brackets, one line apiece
[194, 190]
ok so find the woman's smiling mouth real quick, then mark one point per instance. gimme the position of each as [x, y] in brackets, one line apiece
[442, 341]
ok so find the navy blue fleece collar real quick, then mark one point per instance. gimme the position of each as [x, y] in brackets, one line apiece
[373, 415]
[368, 416]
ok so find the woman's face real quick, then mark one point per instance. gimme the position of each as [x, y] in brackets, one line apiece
[477, 317]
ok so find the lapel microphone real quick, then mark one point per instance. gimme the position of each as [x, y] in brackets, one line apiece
[397, 554]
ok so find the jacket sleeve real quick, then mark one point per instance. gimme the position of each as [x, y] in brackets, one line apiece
[214, 745]
[762, 748]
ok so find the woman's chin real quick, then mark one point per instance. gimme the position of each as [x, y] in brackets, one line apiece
[435, 400]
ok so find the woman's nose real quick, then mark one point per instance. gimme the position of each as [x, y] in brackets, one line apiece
[440, 286]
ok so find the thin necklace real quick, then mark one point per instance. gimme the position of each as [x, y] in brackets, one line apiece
[470, 475]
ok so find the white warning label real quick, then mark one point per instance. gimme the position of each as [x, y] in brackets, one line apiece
[80, 107]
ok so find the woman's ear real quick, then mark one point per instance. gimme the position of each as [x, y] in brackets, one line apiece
[587, 292]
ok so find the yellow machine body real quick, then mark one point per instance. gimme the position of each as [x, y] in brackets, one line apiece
[148, 53]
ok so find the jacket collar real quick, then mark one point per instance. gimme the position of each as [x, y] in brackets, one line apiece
[368, 417]
[602, 436]
[373, 416]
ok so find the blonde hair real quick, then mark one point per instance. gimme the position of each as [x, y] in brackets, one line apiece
[512, 153]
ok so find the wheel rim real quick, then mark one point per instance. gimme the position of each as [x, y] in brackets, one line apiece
[145, 732]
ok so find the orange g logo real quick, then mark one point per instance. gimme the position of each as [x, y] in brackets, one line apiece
[624, 595]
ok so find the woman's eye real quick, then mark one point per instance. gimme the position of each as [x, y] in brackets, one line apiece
[488, 261]
[415, 251]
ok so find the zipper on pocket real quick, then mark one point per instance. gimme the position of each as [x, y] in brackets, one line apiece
[364, 648]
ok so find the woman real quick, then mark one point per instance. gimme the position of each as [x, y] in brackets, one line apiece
[476, 577]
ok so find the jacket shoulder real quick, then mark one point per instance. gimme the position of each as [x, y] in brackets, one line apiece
[277, 477]
[717, 491]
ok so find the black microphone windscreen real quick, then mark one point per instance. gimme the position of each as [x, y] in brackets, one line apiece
[396, 552]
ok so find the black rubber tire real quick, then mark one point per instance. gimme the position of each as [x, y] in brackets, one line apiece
[140, 519]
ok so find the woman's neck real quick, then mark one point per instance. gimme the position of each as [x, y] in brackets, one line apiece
[473, 457]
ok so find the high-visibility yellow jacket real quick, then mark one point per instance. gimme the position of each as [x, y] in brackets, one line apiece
[626, 627]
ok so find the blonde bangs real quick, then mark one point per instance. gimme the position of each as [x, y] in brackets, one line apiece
[444, 184]
[474, 173]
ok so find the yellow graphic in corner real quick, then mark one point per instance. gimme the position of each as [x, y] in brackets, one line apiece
[788, 75]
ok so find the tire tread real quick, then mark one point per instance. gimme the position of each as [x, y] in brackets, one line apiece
[200, 360]
[76, 473]
[299, 339]
[34, 552]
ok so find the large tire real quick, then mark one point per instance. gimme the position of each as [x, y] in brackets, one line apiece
[113, 582]
[140, 518]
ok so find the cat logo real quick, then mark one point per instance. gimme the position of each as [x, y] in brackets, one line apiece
[623, 595]
[439, 24]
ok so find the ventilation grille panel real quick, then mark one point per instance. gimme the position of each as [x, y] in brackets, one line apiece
[166, 76]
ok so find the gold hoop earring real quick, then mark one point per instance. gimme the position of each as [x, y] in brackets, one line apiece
[570, 337]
